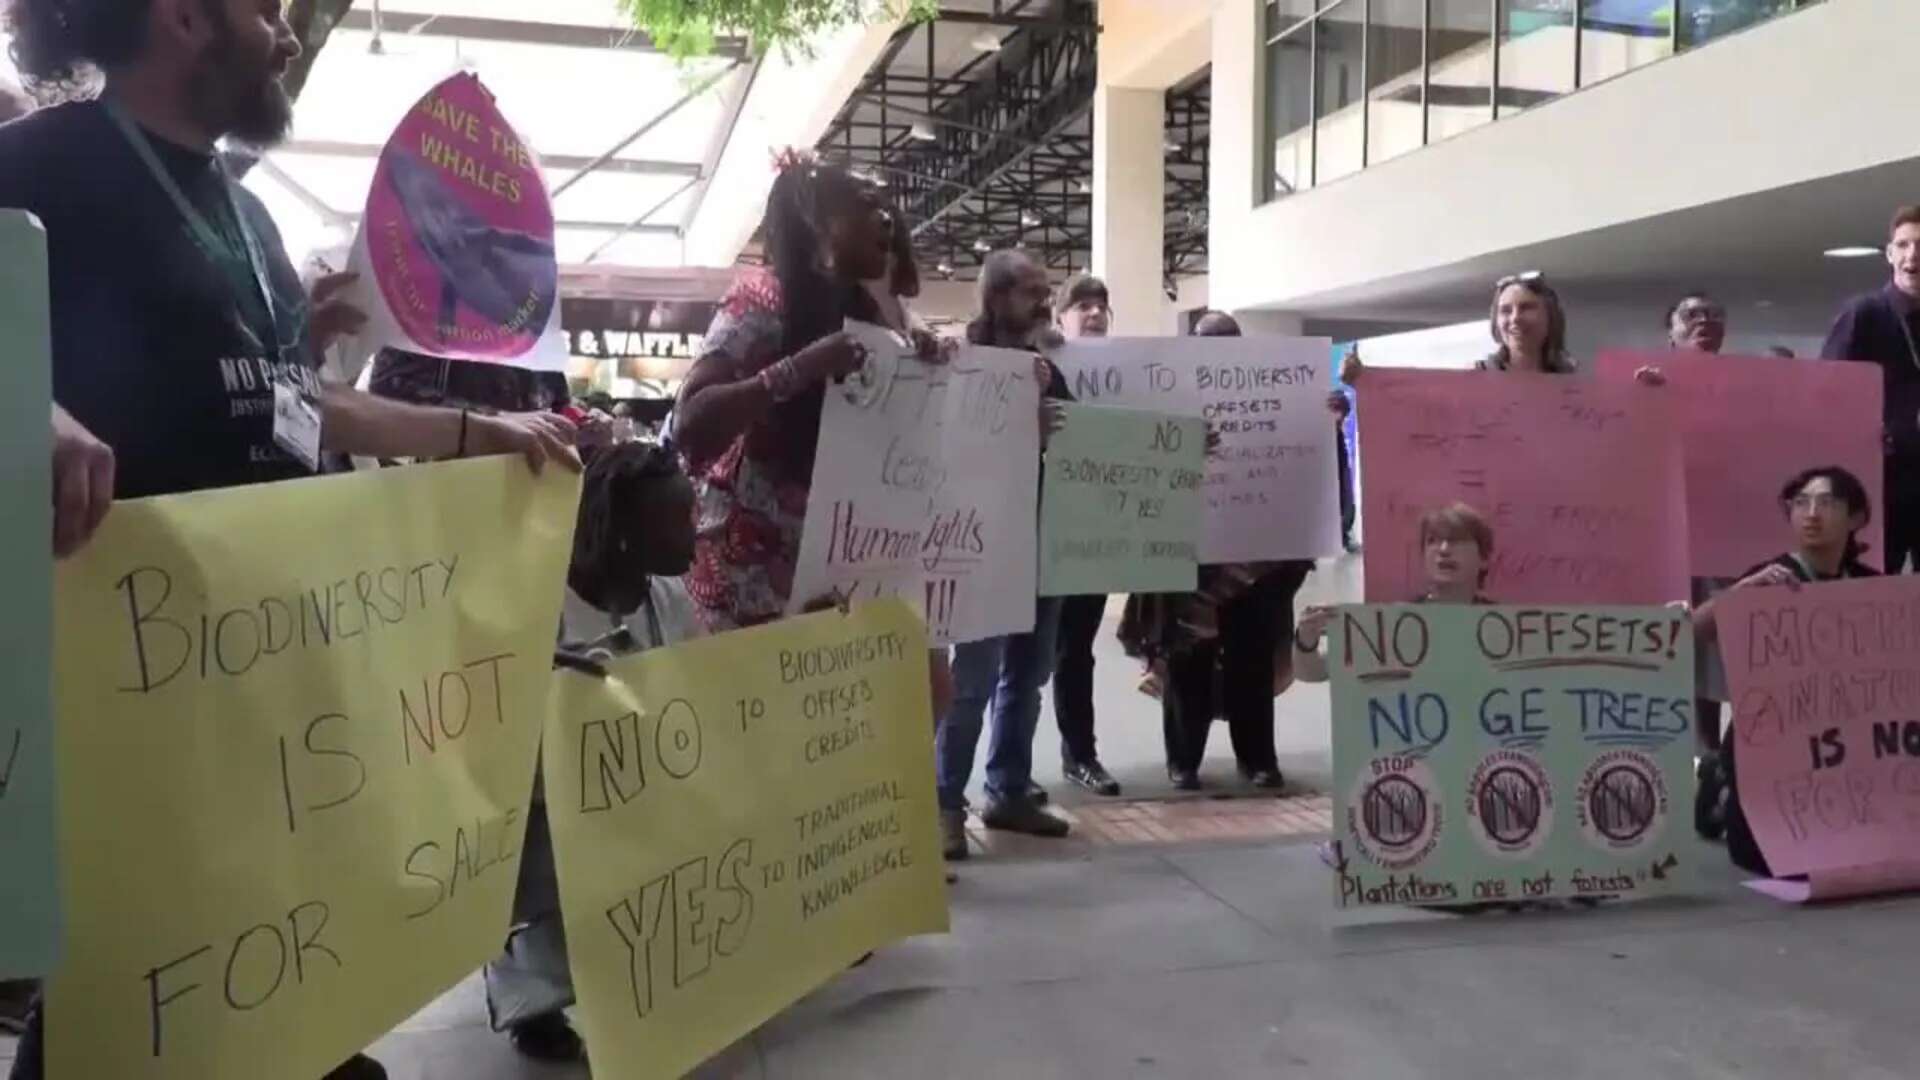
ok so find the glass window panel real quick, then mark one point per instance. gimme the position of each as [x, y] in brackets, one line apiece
[1290, 112]
[1394, 96]
[1340, 106]
[1536, 53]
[1284, 15]
[1460, 51]
[1703, 20]
[1617, 36]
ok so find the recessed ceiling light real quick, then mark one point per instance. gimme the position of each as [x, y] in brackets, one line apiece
[1085, 187]
[1029, 219]
[922, 131]
[1851, 252]
[982, 246]
[985, 41]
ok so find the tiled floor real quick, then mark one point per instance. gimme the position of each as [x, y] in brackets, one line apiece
[1166, 821]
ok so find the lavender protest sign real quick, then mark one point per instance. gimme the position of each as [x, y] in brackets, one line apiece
[1272, 488]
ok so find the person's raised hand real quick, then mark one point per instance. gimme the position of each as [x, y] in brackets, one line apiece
[932, 349]
[538, 437]
[82, 483]
[1351, 368]
[1053, 418]
[330, 317]
[835, 356]
[1769, 576]
[1650, 375]
[1313, 625]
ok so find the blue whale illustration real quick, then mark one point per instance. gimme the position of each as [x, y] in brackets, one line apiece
[491, 271]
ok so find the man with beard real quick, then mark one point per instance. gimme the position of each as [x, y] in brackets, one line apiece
[1008, 671]
[184, 350]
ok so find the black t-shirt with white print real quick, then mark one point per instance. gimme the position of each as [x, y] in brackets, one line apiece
[153, 350]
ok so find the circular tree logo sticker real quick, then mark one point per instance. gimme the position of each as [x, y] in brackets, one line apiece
[1510, 804]
[1394, 812]
[1622, 801]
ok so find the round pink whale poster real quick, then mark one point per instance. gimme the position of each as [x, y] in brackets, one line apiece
[459, 231]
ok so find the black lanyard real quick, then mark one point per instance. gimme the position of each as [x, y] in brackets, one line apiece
[219, 250]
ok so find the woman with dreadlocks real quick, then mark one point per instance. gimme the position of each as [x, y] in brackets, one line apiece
[748, 418]
[633, 541]
[633, 535]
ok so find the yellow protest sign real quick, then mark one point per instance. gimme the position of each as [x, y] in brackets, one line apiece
[297, 736]
[736, 820]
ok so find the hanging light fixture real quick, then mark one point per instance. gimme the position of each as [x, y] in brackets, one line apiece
[985, 41]
[922, 131]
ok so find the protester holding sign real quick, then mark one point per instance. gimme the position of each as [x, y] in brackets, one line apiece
[1824, 508]
[1457, 547]
[193, 366]
[633, 535]
[748, 417]
[1529, 326]
[1084, 312]
[1883, 328]
[1010, 670]
[1215, 649]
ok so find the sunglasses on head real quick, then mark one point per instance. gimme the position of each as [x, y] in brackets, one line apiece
[1531, 277]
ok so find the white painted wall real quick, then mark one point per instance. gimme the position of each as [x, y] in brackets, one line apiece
[1684, 132]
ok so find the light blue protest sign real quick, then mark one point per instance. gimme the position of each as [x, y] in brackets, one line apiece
[1121, 508]
[29, 905]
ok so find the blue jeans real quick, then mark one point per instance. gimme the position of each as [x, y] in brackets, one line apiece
[1008, 671]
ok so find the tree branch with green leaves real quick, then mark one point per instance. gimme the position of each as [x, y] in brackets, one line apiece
[690, 28]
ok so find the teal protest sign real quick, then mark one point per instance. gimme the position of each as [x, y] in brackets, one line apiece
[29, 910]
[1121, 508]
[1511, 753]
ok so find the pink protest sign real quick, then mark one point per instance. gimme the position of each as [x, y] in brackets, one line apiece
[1747, 425]
[458, 236]
[1825, 681]
[1579, 479]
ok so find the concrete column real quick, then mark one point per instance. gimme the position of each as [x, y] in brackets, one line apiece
[1129, 205]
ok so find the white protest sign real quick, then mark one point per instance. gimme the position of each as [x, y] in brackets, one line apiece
[925, 487]
[1273, 487]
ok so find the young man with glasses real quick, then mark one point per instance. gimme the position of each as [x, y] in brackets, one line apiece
[1825, 510]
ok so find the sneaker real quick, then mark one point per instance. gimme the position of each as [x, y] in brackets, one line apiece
[1036, 794]
[1021, 816]
[548, 1038]
[358, 1067]
[1267, 779]
[1093, 776]
[1710, 798]
[953, 835]
[1184, 779]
